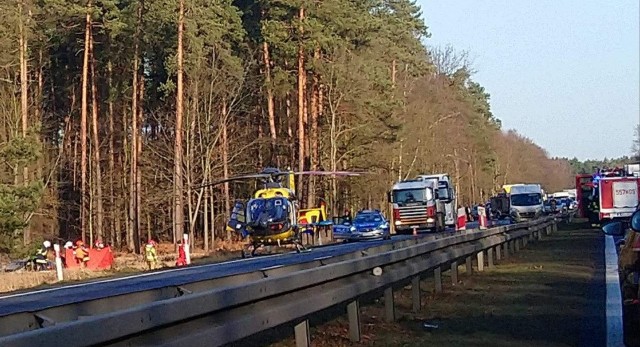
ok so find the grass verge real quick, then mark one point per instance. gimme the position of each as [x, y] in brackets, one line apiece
[546, 295]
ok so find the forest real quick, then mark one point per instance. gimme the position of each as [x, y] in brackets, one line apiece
[114, 113]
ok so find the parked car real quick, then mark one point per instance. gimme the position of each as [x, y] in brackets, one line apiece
[367, 225]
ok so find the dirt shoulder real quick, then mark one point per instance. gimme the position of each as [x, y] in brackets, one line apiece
[550, 294]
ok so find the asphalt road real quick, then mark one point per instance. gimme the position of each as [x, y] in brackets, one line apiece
[69, 294]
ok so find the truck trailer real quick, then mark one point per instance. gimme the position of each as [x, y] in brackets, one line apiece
[445, 193]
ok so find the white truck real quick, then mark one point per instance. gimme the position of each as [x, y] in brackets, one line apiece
[414, 206]
[525, 201]
[446, 194]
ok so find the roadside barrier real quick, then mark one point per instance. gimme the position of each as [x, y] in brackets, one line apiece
[228, 309]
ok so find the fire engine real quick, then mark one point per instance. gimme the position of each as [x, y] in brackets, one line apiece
[617, 192]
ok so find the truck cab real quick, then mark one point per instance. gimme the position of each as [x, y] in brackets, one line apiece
[446, 194]
[414, 206]
[525, 202]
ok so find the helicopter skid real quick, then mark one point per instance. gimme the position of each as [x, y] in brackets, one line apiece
[252, 249]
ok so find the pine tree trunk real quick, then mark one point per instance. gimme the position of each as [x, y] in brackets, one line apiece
[133, 220]
[393, 74]
[177, 173]
[134, 216]
[270, 105]
[24, 102]
[138, 168]
[289, 122]
[112, 157]
[313, 138]
[83, 124]
[206, 205]
[301, 96]
[225, 166]
[125, 184]
[96, 142]
[38, 108]
[212, 217]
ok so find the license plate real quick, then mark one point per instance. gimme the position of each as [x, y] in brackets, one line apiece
[414, 226]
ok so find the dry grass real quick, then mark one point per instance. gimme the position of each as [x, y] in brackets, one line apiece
[538, 298]
[124, 264]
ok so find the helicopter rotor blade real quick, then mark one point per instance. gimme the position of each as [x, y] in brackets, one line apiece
[329, 173]
[231, 179]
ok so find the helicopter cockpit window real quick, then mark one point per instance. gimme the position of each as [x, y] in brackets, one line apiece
[270, 210]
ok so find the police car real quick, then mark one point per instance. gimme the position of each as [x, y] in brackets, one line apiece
[367, 225]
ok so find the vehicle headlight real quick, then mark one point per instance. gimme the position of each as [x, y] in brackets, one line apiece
[352, 229]
[384, 226]
[513, 211]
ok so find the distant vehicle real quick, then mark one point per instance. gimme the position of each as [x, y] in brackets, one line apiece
[500, 206]
[525, 201]
[367, 225]
[616, 192]
[584, 188]
[446, 194]
[414, 206]
[618, 197]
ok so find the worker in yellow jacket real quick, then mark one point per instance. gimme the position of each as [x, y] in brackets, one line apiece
[150, 254]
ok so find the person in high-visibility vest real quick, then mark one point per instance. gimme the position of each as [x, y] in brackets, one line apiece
[150, 254]
[82, 253]
[40, 259]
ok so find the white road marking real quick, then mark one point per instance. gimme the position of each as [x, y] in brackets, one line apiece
[614, 295]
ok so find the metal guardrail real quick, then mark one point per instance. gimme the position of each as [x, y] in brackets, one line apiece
[226, 310]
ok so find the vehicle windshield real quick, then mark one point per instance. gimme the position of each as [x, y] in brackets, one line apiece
[407, 196]
[367, 218]
[530, 199]
[267, 210]
[443, 193]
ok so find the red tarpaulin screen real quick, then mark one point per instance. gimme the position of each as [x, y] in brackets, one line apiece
[99, 259]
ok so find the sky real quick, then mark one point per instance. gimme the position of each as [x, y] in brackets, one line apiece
[564, 73]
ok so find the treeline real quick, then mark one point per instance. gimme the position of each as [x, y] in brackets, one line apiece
[113, 111]
[590, 166]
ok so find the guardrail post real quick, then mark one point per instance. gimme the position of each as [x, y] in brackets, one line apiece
[506, 249]
[389, 305]
[415, 294]
[303, 337]
[469, 264]
[498, 252]
[480, 261]
[539, 235]
[516, 245]
[524, 242]
[547, 230]
[490, 258]
[353, 311]
[437, 276]
[454, 273]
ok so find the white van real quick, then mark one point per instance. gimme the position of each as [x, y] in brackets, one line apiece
[526, 202]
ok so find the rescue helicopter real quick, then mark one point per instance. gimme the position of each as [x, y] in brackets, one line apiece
[270, 216]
